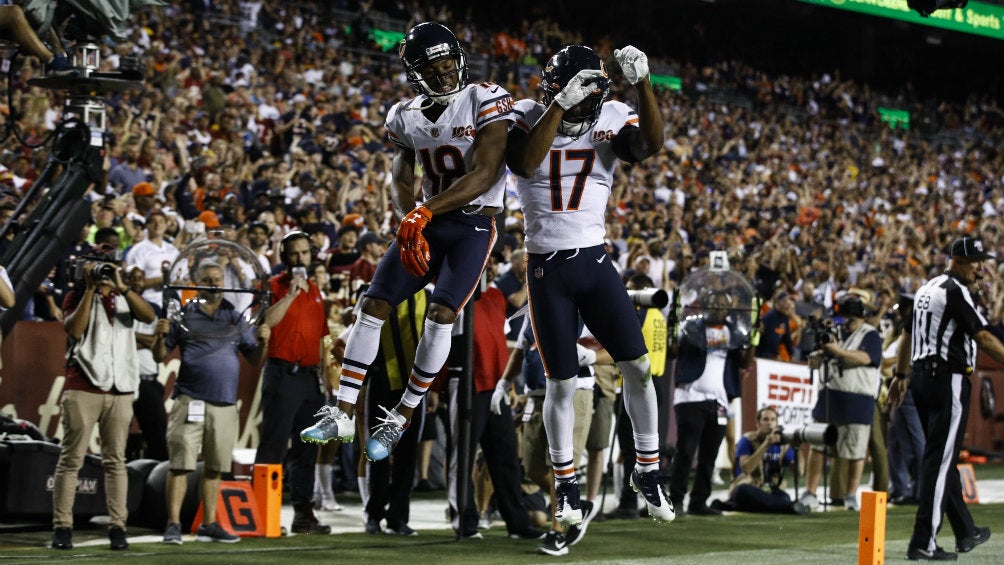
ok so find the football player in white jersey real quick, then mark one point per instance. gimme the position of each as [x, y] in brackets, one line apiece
[565, 151]
[457, 132]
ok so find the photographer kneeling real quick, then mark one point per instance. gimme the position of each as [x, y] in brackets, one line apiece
[852, 377]
[761, 457]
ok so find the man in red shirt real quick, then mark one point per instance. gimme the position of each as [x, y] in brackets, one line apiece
[291, 391]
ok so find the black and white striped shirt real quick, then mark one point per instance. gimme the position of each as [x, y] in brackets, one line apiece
[944, 321]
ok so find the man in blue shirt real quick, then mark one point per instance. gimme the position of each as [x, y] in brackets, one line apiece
[204, 416]
[759, 468]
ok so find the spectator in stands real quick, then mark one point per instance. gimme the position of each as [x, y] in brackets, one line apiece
[782, 329]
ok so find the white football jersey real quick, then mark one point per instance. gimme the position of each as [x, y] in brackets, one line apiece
[445, 148]
[565, 201]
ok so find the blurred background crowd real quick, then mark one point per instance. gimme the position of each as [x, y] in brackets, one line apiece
[257, 118]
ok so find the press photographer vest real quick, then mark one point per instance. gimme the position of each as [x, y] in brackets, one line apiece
[106, 353]
[851, 392]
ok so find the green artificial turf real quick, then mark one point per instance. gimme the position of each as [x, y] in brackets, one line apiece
[739, 539]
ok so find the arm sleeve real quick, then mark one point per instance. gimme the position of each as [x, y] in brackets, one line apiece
[872, 345]
[962, 309]
[743, 448]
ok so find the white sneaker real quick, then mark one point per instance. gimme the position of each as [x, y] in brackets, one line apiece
[329, 503]
[851, 503]
[809, 500]
[334, 424]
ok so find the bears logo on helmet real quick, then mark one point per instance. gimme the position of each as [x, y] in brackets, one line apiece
[428, 42]
[560, 69]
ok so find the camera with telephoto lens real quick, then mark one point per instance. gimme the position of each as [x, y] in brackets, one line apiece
[649, 298]
[102, 271]
[817, 333]
[813, 434]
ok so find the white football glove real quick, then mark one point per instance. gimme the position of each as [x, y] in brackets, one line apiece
[579, 88]
[586, 356]
[633, 62]
[500, 396]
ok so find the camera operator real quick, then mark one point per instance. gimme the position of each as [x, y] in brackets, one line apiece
[102, 372]
[760, 459]
[851, 378]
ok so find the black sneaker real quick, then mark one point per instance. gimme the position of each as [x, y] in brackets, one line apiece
[575, 534]
[400, 530]
[172, 534]
[117, 536]
[568, 511]
[703, 510]
[554, 544]
[966, 544]
[215, 532]
[60, 66]
[304, 521]
[530, 533]
[62, 538]
[373, 526]
[939, 554]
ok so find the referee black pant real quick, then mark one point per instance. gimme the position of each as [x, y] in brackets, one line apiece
[942, 400]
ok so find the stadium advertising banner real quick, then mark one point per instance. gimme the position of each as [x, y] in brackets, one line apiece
[787, 387]
[978, 18]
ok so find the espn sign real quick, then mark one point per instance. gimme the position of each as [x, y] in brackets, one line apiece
[787, 387]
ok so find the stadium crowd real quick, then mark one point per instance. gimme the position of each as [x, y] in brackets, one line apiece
[797, 177]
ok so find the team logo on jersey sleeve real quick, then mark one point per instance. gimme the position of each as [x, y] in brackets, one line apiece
[602, 135]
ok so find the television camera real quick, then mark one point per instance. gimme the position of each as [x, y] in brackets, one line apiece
[52, 212]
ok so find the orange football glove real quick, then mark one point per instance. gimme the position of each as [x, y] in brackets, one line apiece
[413, 246]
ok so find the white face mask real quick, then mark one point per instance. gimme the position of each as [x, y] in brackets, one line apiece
[574, 129]
[442, 99]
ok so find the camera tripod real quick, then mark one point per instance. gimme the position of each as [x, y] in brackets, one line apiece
[75, 163]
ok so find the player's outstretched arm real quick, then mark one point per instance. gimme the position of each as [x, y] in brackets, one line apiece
[634, 65]
[489, 152]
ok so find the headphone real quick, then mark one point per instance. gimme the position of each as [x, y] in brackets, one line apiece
[289, 238]
[851, 306]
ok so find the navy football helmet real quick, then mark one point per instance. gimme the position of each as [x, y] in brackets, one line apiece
[560, 69]
[428, 42]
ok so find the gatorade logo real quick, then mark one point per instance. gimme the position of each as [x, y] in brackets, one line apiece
[236, 510]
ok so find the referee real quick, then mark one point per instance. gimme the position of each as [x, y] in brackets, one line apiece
[945, 333]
